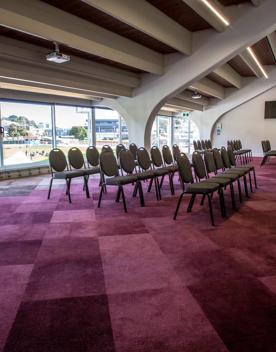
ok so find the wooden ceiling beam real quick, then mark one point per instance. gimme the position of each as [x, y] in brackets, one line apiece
[46, 21]
[208, 87]
[147, 19]
[208, 15]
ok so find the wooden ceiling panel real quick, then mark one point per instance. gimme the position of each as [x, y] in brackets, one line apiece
[240, 66]
[92, 14]
[217, 79]
[263, 52]
[181, 13]
[24, 37]
[232, 2]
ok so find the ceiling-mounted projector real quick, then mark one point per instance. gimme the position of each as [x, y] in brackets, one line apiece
[56, 56]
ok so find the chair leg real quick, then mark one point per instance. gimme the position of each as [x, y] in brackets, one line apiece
[211, 209]
[222, 203]
[150, 185]
[124, 200]
[158, 188]
[68, 183]
[245, 186]
[239, 189]
[233, 196]
[178, 205]
[203, 199]
[162, 180]
[118, 195]
[141, 194]
[86, 186]
[101, 194]
[50, 188]
[191, 203]
[171, 184]
[264, 160]
[134, 194]
[250, 181]
[255, 179]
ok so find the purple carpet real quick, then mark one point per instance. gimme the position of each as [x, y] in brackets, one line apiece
[76, 278]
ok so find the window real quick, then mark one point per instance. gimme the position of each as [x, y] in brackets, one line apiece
[161, 131]
[72, 127]
[31, 130]
[27, 133]
[174, 130]
[111, 129]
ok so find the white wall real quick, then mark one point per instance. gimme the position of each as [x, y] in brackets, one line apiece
[247, 123]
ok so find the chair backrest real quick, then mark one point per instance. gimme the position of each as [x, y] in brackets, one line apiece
[236, 145]
[143, 158]
[199, 146]
[210, 161]
[239, 143]
[57, 160]
[127, 161]
[206, 144]
[119, 148]
[218, 159]
[231, 156]
[92, 156]
[209, 144]
[195, 145]
[176, 152]
[199, 165]
[203, 144]
[108, 164]
[133, 148]
[225, 157]
[156, 156]
[75, 158]
[167, 155]
[185, 169]
[268, 145]
[106, 148]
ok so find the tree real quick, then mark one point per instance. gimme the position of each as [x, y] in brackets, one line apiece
[23, 121]
[79, 132]
[16, 131]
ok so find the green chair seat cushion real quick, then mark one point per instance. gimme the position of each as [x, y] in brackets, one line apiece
[121, 180]
[69, 174]
[231, 175]
[161, 172]
[93, 170]
[202, 187]
[222, 181]
[145, 175]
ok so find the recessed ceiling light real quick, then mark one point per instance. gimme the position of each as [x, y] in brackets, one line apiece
[254, 57]
[216, 12]
[196, 95]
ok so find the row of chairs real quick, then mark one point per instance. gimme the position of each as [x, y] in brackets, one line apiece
[162, 164]
[243, 155]
[202, 145]
[137, 165]
[268, 152]
[214, 173]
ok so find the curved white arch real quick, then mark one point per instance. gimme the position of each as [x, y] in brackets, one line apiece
[208, 54]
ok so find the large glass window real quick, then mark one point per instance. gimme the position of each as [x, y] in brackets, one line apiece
[111, 129]
[72, 127]
[27, 132]
[174, 130]
[161, 131]
[31, 130]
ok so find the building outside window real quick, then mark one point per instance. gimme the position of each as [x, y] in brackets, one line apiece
[27, 135]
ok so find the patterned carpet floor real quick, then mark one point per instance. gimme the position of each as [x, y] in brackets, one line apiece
[76, 278]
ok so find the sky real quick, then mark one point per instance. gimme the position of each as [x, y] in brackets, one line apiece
[66, 116]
